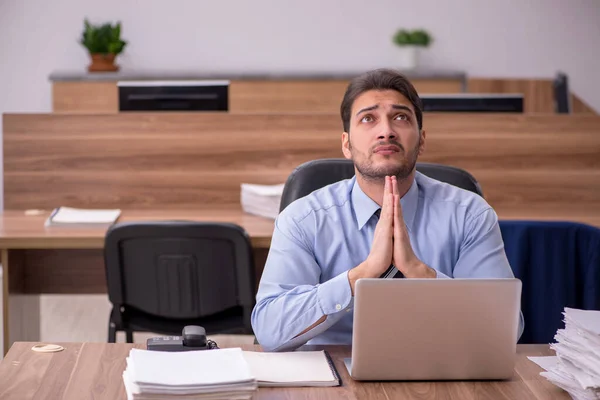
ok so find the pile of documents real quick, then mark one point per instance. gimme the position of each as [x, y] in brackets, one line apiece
[222, 373]
[262, 200]
[576, 367]
[207, 374]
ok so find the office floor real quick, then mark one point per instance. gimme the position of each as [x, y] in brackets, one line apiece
[76, 318]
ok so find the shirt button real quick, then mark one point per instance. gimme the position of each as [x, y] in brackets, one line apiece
[338, 307]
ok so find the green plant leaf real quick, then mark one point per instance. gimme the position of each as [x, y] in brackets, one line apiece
[417, 37]
[104, 38]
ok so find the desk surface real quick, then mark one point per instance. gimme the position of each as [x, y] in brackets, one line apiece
[21, 231]
[94, 370]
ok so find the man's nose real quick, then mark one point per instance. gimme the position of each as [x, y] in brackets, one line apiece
[386, 132]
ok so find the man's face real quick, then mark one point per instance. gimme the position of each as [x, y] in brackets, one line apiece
[384, 135]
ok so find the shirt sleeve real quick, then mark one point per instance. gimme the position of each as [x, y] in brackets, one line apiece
[291, 296]
[482, 252]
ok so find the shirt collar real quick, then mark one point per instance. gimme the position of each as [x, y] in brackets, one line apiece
[365, 207]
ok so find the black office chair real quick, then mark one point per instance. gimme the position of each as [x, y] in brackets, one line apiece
[165, 275]
[315, 174]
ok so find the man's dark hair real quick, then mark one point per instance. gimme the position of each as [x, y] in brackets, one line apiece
[380, 79]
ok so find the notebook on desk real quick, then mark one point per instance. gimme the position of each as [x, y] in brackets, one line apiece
[224, 370]
[68, 216]
[297, 368]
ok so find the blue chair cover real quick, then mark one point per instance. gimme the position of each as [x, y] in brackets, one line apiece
[559, 265]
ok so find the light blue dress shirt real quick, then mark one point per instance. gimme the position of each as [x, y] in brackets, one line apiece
[320, 237]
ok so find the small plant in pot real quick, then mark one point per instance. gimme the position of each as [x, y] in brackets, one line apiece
[104, 43]
[409, 43]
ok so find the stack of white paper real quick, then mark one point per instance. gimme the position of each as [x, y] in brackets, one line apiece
[190, 375]
[262, 200]
[576, 367]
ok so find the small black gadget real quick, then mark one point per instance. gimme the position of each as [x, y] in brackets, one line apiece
[192, 338]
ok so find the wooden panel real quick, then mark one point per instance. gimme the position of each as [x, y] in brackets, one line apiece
[425, 86]
[300, 96]
[14, 263]
[85, 97]
[286, 96]
[94, 370]
[538, 93]
[76, 271]
[580, 107]
[155, 160]
[195, 161]
[264, 96]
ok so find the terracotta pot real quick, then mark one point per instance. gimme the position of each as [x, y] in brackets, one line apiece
[103, 63]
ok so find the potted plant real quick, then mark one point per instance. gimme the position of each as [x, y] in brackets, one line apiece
[409, 43]
[103, 43]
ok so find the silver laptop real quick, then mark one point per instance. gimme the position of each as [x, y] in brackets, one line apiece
[434, 329]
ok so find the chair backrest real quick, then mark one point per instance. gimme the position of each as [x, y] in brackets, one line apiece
[178, 269]
[559, 266]
[313, 175]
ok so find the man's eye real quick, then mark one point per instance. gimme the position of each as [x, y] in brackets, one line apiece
[366, 118]
[402, 117]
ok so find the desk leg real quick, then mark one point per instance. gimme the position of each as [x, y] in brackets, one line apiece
[5, 306]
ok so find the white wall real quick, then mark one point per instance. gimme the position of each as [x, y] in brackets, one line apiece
[490, 38]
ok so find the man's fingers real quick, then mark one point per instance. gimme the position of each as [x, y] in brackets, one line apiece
[394, 185]
[386, 186]
[387, 205]
[390, 206]
[397, 210]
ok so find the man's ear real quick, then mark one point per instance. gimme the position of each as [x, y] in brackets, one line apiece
[422, 142]
[346, 145]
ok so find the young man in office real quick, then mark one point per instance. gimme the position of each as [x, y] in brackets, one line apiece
[387, 214]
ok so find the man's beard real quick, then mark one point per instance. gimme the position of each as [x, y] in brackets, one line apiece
[371, 172]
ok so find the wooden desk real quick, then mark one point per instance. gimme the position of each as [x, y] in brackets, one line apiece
[21, 231]
[37, 259]
[94, 370]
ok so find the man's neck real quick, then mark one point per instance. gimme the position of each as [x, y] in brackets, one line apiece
[374, 188]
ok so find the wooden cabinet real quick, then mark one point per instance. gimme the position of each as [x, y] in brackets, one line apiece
[99, 94]
[93, 94]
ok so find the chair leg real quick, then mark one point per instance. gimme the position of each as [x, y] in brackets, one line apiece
[129, 335]
[112, 333]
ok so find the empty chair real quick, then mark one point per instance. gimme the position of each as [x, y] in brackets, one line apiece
[313, 175]
[163, 276]
[559, 265]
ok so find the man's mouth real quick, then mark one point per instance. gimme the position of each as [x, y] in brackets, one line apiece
[386, 150]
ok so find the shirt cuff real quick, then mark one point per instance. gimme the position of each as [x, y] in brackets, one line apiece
[335, 294]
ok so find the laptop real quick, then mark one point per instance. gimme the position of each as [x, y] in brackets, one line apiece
[435, 329]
